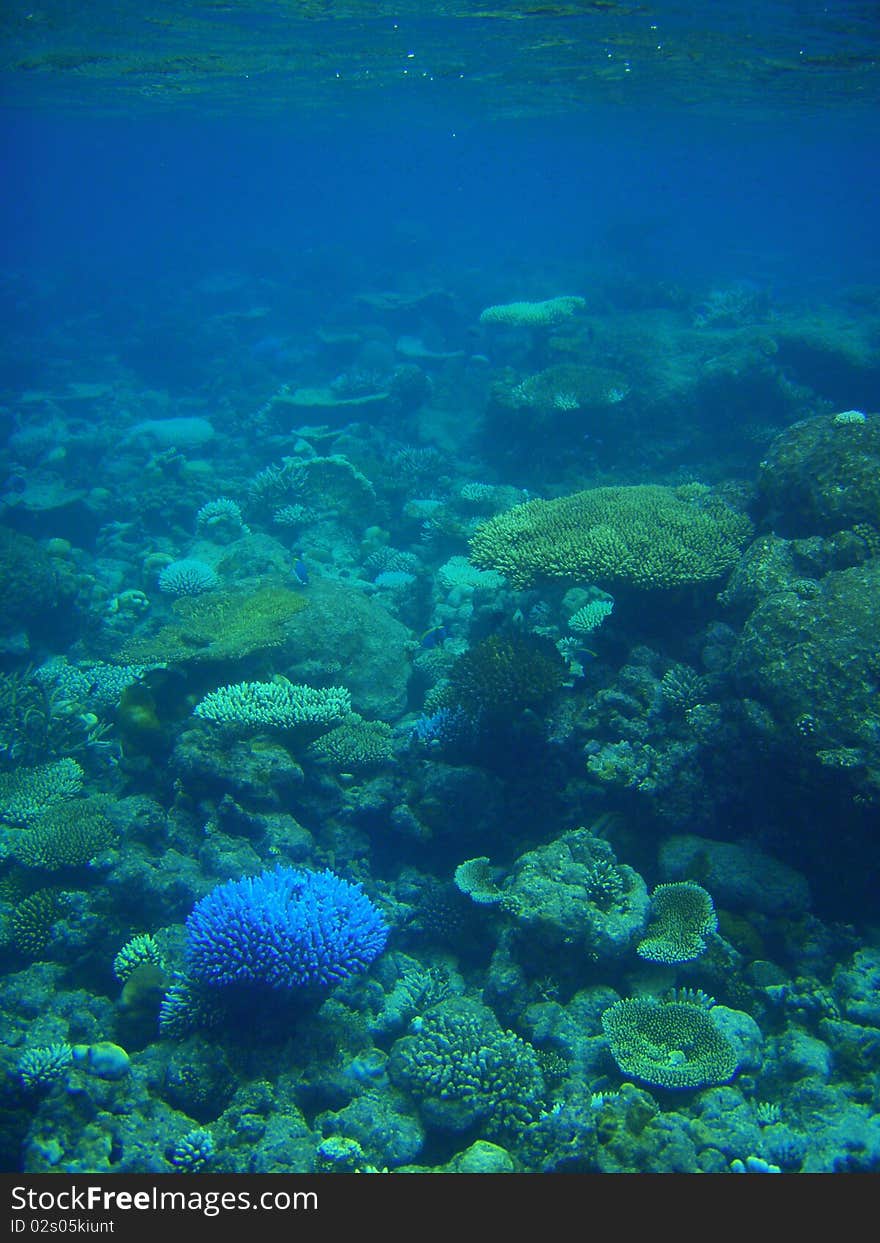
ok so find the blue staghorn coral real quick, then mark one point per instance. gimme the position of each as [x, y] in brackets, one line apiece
[283, 930]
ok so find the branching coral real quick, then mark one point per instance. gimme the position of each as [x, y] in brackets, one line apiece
[356, 745]
[42, 720]
[44, 1065]
[465, 1070]
[32, 919]
[188, 577]
[501, 676]
[533, 314]
[590, 616]
[137, 952]
[284, 930]
[68, 835]
[27, 792]
[459, 576]
[280, 704]
[221, 520]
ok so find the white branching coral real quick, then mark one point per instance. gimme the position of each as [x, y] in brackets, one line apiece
[187, 577]
[279, 704]
[533, 314]
[222, 518]
[457, 574]
[590, 617]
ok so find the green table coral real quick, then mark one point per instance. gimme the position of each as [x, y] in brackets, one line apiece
[647, 536]
[669, 1044]
[218, 626]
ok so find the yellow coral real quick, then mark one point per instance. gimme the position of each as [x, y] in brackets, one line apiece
[645, 536]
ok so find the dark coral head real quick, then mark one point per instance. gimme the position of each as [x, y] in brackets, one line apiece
[505, 674]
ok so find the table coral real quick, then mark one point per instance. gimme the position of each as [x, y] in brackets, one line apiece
[668, 1044]
[647, 536]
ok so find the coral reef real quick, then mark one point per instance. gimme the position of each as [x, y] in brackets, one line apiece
[288, 874]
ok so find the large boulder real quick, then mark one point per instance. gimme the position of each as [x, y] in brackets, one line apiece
[812, 659]
[822, 475]
[350, 639]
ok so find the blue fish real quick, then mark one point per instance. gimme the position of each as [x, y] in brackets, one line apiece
[432, 638]
[268, 347]
[300, 571]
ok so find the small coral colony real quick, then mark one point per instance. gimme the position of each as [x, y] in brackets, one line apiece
[429, 764]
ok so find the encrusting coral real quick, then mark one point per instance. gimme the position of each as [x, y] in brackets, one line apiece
[217, 626]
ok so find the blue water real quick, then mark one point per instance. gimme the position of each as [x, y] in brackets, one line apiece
[205, 218]
[789, 201]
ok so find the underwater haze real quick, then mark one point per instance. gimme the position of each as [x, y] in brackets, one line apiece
[439, 555]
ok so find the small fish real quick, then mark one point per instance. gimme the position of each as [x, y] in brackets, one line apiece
[300, 571]
[432, 638]
[267, 345]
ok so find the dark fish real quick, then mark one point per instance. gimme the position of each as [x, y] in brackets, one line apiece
[301, 571]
